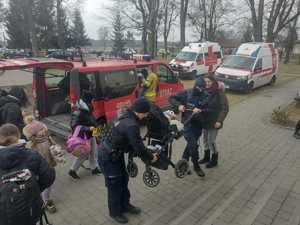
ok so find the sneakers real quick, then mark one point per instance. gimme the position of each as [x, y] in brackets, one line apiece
[132, 210]
[198, 170]
[50, 207]
[120, 219]
[73, 174]
[96, 171]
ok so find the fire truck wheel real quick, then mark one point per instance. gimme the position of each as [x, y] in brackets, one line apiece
[132, 169]
[151, 178]
[181, 168]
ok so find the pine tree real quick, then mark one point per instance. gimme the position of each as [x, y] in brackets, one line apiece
[45, 24]
[77, 31]
[118, 36]
[17, 25]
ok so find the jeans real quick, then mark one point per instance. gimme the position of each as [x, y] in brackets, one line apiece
[191, 149]
[46, 194]
[209, 140]
[92, 157]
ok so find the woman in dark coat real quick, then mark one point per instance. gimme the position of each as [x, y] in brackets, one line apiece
[214, 111]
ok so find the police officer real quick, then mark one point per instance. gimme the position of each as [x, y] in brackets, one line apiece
[189, 104]
[124, 136]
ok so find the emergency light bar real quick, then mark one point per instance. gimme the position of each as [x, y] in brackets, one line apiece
[141, 57]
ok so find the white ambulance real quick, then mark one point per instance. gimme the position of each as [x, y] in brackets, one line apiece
[252, 66]
[197, 59]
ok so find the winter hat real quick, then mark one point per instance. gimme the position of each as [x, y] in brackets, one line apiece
[200, 83]
[141, 105]
[33, 128]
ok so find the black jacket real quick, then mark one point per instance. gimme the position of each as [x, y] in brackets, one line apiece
[125, 136]
[211, 109]
[10, 111]
[190, 100]
[18, 156]
[85, 119]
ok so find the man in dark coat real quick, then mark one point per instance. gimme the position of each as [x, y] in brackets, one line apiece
[124, 137]
[188, 103]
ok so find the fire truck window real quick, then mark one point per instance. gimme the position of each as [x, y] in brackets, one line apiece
[118, 84]
[164, 74]
[53, 77]
[88, 84]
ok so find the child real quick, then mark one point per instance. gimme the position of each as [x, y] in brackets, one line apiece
[39, 140]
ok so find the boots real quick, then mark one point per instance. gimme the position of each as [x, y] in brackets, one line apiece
[198, 170]
[213, 162]
[206, 157]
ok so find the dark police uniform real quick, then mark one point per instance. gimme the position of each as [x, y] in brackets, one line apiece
[191, 99]
[124, 137]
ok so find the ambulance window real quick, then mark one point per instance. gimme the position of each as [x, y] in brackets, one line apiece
[200, 57]
[118, 84]
[218, 55]
[164, 74]
[258, 65]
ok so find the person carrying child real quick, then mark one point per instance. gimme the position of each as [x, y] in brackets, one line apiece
[39, 140]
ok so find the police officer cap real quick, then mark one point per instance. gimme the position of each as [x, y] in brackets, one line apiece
[141, 105]
[200, 82]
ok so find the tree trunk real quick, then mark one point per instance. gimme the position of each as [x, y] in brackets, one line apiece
[33, 35]
[144, 40]
[183, 14]
[60, 33]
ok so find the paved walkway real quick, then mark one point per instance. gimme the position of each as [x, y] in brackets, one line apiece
[256, 183]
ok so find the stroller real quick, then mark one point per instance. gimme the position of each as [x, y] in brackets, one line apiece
[160, 137]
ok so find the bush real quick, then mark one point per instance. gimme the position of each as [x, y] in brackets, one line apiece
[281, 117]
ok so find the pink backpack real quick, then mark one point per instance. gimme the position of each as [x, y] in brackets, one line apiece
[78, 146]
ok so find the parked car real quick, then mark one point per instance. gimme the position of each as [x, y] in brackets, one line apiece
[252, 66]
[65, 55]
[197, 59]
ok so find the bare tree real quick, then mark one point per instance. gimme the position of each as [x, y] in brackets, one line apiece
[257, 15]
[281, 14]
[208, 16]
[291, 37]
[183, 16]
[169, 16]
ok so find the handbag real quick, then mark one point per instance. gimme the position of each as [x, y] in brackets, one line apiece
[78, 146]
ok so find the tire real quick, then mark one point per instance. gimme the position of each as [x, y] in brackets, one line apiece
[250, 87]
[151, 178]
[273, 81]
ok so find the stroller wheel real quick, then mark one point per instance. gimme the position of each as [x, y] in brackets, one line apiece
[132, 169]
[181, 168]
[151, 178]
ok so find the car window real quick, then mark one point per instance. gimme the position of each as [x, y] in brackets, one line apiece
[164, 74]
[118, 84]
[53, 77]
[200, 57]
[258, 65]
[218, 55]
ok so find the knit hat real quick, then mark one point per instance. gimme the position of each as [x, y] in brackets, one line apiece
[33, 128]
[200, 83]
[141, 105]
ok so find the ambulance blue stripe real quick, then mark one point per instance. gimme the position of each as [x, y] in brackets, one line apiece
[255, 53]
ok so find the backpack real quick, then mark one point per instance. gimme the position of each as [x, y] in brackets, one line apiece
[20, 198]
[76, 145]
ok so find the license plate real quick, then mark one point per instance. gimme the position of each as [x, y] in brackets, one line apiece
[227, 86]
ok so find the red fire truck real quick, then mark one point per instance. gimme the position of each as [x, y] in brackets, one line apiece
[57, 86]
